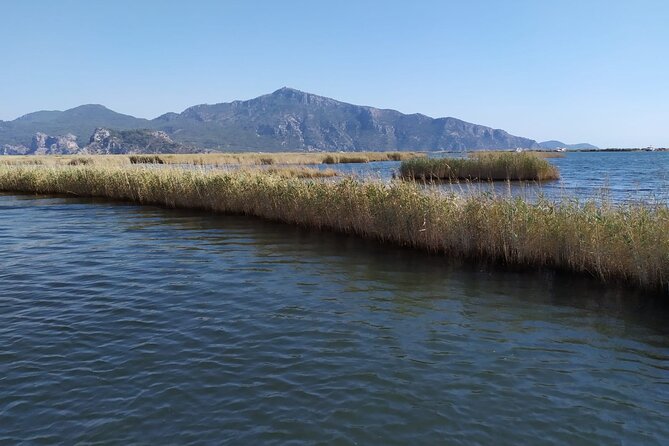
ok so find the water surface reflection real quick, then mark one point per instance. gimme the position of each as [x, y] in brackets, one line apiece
[121, 323]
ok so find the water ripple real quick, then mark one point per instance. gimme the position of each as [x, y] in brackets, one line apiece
[126, 324]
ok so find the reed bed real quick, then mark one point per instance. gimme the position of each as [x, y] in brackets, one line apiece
[287, 158]
[627, 243]
[146, 159]
[65, 160]
[295, 172]
[487, 166]
[216, 159]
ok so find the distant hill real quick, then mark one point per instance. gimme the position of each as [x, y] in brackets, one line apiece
[287, 119]
[79, 121]
[290, 119]
[559, 144]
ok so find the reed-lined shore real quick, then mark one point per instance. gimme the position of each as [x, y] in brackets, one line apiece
[212, 159]
[613, 243]
[485, 166]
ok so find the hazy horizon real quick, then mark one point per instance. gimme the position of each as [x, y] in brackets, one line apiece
[573, 72]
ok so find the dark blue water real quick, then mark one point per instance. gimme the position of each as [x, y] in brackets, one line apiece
[615, 177]
[618, 177]
[122, 324]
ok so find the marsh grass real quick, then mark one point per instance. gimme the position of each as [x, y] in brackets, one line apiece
[283, 158]
[626, 243]
[21, 160]
[486, 166]
[295, 172]
[337, 159]
[64, 160]
[218, 159]
[80, 162]
[146, 159]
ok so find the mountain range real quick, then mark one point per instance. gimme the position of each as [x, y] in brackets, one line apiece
[553, 144]
[284, 120]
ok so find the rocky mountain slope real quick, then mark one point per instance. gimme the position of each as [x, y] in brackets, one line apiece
[290, 119]
[287, 119]
[103, 142]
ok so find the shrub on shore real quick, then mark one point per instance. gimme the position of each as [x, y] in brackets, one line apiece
[626, 243]
[336, 159]
[80, 161]
[146, 159]
[487, 166]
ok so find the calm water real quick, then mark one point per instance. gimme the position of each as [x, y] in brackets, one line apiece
[123, 324]
[618, 177]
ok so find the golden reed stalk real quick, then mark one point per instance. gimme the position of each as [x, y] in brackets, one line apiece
[627, 243]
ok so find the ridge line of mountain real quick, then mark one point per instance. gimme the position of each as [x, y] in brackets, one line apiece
[287, 119]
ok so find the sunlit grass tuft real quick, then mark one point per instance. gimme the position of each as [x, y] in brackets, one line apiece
[146, 159]
[486, 166]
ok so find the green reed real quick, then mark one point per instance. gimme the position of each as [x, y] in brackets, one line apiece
[487, 166]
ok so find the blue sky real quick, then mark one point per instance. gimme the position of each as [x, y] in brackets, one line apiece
[594, 71]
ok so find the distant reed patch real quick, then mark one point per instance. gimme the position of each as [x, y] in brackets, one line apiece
[487, 166]
[337, 159]
[146, 159]
[80, 162]
[293, 171]
[220, 159]
[21, 160]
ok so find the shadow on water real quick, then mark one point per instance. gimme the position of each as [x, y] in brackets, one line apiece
[405, 273]
[136, 324]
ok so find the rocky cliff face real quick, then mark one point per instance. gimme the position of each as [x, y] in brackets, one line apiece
[43, 144]
[103, 141]
[106, 141]
[10, 149]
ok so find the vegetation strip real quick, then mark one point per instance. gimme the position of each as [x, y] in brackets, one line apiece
[627, 243]
[213, 159]
[487, 166]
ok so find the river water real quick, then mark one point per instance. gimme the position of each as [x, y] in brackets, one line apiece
[122, 324]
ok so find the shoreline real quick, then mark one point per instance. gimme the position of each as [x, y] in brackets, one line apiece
[614, 243]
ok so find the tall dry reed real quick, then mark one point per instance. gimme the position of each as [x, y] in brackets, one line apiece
[217, 159]
[487, 166]
[628, 243]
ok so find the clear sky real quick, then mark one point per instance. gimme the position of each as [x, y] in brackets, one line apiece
[579, 71]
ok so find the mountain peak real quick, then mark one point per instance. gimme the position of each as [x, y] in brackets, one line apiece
[290, 93]
[286, 119]
[284, 90]
[51, 115]
[89, 107]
